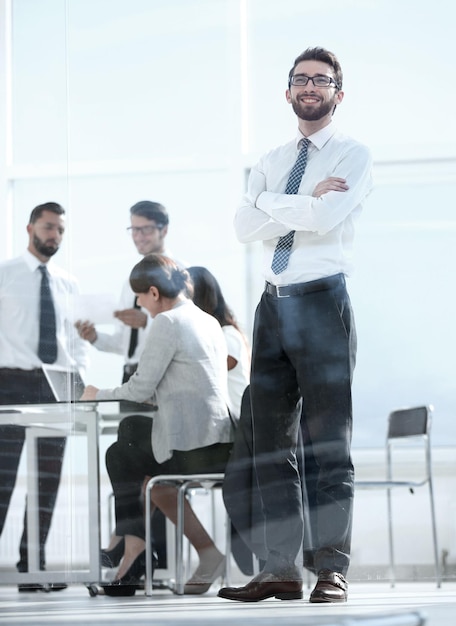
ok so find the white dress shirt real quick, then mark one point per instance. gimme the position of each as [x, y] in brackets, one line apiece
[118, 342]
[238, 376]
[323, 241]
[20, 284]
[183, 369]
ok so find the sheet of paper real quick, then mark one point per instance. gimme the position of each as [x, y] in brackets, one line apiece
[97, 308]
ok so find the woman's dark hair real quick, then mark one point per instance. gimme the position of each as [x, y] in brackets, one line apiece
[157, 270]
[207, 295]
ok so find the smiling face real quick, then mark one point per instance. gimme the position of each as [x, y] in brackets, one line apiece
[147, 236]
[310, 103]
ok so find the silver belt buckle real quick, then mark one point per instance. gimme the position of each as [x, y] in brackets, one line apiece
[278, 294]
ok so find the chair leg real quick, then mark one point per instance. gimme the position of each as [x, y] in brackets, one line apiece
[227, 573]
[438, 577]
[180, 539]
[390, 537]
[148, 524]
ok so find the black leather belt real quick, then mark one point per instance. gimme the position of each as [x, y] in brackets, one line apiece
[299, 289]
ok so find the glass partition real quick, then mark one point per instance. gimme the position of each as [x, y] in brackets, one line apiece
[109, 102]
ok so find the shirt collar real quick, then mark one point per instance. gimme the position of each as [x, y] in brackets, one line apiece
[319, 138]
[32, 261]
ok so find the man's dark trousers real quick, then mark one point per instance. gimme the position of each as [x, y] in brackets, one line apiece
[304, 346]
[28, 387]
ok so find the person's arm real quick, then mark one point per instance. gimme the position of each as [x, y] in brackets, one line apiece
[124, 318]
[76, 347]
[250, 222]
[158, 353]
[275, 214]
[133, 317]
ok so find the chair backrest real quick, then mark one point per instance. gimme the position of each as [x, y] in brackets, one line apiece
[410, 422]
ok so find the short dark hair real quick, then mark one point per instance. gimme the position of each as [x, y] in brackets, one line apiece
[323, 55]
[158, 270]
[152, 211]
[47, 206]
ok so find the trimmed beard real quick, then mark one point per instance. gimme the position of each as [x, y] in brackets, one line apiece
[312, 114]
[43, 249]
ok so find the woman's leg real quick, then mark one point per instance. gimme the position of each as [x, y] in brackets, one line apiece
[165, 498]
[211, 459]
[127, 462]
[134, 547]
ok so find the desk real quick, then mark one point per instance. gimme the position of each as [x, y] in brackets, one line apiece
[89, 420]
[62, 420]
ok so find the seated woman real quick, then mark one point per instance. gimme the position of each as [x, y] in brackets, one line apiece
[183, 371]
[207, 294]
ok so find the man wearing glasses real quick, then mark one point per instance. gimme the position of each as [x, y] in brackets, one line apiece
[302, 202]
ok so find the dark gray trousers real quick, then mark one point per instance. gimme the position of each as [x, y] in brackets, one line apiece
[303, 358]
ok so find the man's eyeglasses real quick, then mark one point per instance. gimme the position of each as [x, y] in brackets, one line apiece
[143, 230]
[320, 80]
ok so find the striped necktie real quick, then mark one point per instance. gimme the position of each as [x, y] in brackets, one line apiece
[283, 248]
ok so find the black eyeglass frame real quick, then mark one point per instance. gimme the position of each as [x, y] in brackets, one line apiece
[332, 82]
[131, 229]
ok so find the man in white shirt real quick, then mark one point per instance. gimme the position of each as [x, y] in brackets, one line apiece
[24, 347]
[302, 202]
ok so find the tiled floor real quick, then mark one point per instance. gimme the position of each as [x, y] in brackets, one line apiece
[370, 604]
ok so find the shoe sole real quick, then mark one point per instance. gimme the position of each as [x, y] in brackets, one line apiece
[289, 595]
[41, 589]
[327, 600]
[119, 590]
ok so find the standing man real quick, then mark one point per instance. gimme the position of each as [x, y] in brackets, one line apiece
[34, 330]
[302, 202]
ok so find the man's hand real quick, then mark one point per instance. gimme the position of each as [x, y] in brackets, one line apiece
[330, 184]
[86, 330]
[132, 317]
[90, 393]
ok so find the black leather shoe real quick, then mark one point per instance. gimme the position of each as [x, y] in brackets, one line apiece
[32, 587]
[330, 587]
[265, 585]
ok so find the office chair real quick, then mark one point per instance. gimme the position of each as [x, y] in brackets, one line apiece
[404, 425]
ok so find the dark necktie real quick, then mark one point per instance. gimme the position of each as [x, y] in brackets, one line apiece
[283, 248]
[47, 346]
[133, 335]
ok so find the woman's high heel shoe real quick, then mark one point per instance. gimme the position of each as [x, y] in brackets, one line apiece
[127, 585]
[111, 558]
